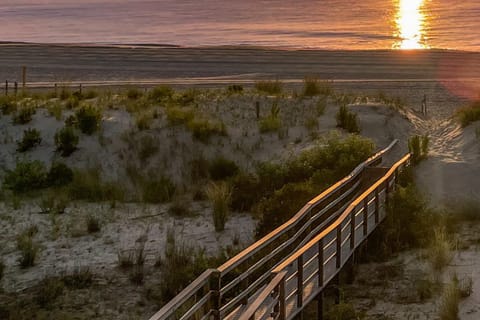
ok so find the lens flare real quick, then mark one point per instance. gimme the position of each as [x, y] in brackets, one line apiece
[410, 25]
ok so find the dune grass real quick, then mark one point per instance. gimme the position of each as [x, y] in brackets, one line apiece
[273, 87]
[220, 195]
[469, 114]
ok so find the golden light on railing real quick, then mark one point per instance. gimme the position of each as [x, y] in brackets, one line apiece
[410, 23]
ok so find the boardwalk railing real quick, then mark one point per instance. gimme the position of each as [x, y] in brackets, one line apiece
[227, 290]
[301, 277]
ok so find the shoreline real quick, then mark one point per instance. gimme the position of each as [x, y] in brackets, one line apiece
[60, 63]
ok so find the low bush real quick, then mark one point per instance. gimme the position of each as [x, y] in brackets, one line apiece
[448, 308]
[66, 141]
[347, 120]
[27, 176]
[220, 195]
[31, 138]
[221, 168]
[469, 114]
[179, 207]
[80, 278]
[311, 124]
[439, 251]
[93, 223]
[270, 87]
[59, 175]
[65, 93]
[8, 105]
[53, 203]
[23, 115]
[88, 119]
[88, 185]
[204, 129]
[134, 93]
[199, 168]
[28, 249]
[49, 290]
[148, 146]
[235, 88]
[179, 266]
[179, 115]
[157, 188]
[418, 147]
[245, 192]
[143, 120]
[314, 87]
[272, 122]
[72, 102]
[160, 94]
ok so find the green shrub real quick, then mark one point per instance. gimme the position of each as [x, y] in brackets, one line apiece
[315, 87]
[220, 195]
[56, 110]
[23, 115]
[448, 308]
[65, 93]
[88, 119]
[203, 129]
[72, 102]
[279, 207]
[246, 192]
[160, 94]
[418, 147]
[90, 94]
[8, 105]
[270, 87]
[31, 138]
[199, 168]
[148, 146]
[180, 265]
[53, 202]
[66, 141]
[93, 224]
[179, 115]
[134, 93]
[347, 120]
[342, 311]
[321, 106]
[27, 176]
[88, 185]
[143, 120]
[221, 168]
[188, 96]
[80, 278]
[272, 122]
[157, 189]
[49, 291]
[469, 114]
[59, 175]
[439, 251]
[235, 88]
[28, 249]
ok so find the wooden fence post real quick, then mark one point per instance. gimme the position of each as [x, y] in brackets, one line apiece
[24, 77]
[6, 87]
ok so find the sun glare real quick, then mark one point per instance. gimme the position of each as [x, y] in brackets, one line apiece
[410, 25]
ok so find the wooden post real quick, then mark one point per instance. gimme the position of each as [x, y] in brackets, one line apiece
[257, 109]
[80, 90]
[377, 207]
[320, 306]
[24, 77]
[281, 298]
[352, 229]
[339, 246]
[6, 87]
[215, 285]
[365, 217]
[15, 88]
[320, 263]
[300, 281]
[56, 91]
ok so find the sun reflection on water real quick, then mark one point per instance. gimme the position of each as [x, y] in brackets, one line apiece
[410, 23]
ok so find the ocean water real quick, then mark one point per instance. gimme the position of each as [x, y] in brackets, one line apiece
[319, 24]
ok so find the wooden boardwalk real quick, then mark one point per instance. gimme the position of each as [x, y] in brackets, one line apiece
[278, 275]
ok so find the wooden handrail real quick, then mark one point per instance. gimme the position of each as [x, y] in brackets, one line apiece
[215, 275]
[297, 259]
[230, 264]
[340, 219]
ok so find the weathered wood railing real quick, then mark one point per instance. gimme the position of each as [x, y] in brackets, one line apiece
[300, 278]
[220, 292]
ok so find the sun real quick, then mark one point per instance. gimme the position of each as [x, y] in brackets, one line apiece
[410, 23]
